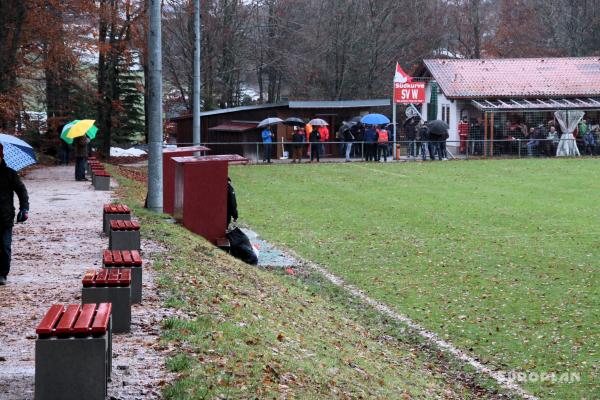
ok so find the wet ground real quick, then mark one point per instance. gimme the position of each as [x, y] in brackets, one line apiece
[62, 239]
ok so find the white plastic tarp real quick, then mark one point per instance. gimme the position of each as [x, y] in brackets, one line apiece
[568, 120]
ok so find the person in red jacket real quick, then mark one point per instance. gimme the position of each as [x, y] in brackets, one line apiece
[382, 144]
[324, 132]
[463, 134]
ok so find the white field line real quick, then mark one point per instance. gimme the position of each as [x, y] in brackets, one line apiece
[501, 379]
[379, 171]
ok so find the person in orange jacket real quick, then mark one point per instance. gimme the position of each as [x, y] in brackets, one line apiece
[324, 132]
[308, 128]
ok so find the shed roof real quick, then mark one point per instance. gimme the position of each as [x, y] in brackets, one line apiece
[517, 77]
[234, 127]
[341, 103]
[295, 105]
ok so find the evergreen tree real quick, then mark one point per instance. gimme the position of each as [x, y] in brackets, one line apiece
[130, 111]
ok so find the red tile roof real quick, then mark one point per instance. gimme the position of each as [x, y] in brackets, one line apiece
[517, 77]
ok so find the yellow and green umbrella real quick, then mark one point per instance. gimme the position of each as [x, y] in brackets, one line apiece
[79, 128]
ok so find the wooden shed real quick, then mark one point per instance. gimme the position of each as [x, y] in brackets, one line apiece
[234, 130]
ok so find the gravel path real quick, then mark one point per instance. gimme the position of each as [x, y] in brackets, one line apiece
[61, 240]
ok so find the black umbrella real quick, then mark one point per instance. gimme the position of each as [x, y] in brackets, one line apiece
[347, 125]
[293, 121]
[356, 119]
[438, 127]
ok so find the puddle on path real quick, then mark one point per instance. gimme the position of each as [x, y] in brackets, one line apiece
[269, 255]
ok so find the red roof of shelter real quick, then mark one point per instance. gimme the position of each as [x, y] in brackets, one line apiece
[517, 77]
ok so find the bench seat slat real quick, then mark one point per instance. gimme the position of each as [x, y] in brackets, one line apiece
[113, 277]
[84, 321]
[88, 278]
[107, 257]
[65, 324]
[117, 257]
[137, 259]
[100, 324]
[127, 260]
[125, 277]
[46, 326]
[102, 277]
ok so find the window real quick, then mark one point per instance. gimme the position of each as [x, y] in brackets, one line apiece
[432, 105]
[446, 113]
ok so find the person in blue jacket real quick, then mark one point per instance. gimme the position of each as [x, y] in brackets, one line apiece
[267, 138]
[370, 143]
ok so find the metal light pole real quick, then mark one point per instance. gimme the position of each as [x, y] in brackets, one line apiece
[155, 121]
[196, 134]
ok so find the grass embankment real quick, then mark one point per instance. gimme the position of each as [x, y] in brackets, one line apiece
[499, 257]
[249, 333]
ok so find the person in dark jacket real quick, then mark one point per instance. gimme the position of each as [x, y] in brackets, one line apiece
[80, 150]
[315, 146]
[232, 211]
[423, 138]
[410, 130]
[348, 138]
[298, 138]
[370, 143]
[10, 183]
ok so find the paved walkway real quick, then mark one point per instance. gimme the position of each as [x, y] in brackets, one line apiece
[51, 251]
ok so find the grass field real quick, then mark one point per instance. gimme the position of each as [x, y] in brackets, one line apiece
[240, 332]
[499, 257]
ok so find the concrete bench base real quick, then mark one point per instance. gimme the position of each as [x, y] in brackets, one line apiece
[120, 297]
[73, 368]
[101, 182]
[109, 217]
[124, 240]
[136, 283]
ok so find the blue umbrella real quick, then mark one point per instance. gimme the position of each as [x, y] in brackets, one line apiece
[17, 153]
[375, 119]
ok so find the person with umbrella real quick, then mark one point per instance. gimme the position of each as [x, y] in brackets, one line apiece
[267, 138]
[438, 133]
[315, 149]
[10, 183]
[298, 137]
[348, 138]
[80, 149]
[370, 143]
[79, 133]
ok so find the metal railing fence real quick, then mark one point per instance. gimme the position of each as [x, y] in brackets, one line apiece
[258, 152]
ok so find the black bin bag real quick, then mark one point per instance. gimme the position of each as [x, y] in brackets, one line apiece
[240, 246]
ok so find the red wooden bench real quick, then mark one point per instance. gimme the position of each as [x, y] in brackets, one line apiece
[100, 179]
[112, 277]
[75, 320]
[114, 211]
[121, 258]
[73, 352]
[124, 225]
[132, 261]
[110, 285]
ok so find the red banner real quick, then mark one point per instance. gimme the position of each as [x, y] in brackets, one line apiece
[409, 93]
[405, 90]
